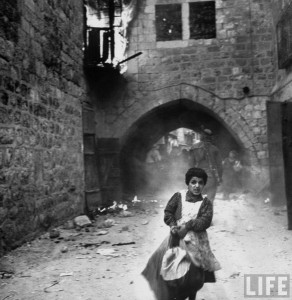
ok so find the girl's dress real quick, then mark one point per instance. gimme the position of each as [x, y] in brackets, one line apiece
[196, 242]
[196, 214]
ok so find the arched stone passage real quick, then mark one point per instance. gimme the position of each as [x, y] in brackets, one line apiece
[162, 119]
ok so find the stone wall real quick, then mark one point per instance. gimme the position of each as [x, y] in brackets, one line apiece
[242, 55]
[41, 94]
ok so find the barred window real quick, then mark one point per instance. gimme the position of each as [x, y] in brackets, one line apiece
[202, 20]
[168, 22]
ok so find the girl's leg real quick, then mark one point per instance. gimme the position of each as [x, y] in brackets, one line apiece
[193, 296]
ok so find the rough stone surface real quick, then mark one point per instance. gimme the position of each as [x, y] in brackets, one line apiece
[211, 72]
[82, 221]
[41, 91]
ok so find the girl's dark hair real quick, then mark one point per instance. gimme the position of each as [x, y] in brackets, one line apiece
[196, 172]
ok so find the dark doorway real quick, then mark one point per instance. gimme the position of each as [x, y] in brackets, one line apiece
[276, 163]
[280, 151]
[287, 151]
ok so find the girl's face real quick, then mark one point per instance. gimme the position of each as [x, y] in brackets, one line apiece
[196, 185]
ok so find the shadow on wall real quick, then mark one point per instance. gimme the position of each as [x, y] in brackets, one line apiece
[106, 85]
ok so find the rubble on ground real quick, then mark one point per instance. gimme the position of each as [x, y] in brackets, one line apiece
[82, 221]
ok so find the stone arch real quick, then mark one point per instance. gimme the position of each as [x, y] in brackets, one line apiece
[228, 111]
[193, 112]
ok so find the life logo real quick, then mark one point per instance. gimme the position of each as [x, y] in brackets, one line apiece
[266, 285]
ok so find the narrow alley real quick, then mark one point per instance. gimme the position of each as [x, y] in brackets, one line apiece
[105, 105]
[103, 261]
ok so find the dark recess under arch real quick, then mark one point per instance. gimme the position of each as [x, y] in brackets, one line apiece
[156, 123]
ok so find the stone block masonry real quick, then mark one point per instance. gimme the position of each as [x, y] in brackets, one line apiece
[243, 43]
[41, 94]
[213, 73]
[241, 55]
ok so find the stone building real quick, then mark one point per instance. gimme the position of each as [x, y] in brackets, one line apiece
[42, 88]
[74, 131]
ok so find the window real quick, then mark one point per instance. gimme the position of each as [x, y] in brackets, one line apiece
[188, 20]
[202, 20]
[284, 39]
[104, 38]
[168, 22]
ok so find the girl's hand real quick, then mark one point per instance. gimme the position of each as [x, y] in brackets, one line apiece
[174, 230]
[182, 231]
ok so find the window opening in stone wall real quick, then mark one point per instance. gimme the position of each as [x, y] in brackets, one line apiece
[284, 39]
[168, 22]
[202, 20]
[106, 24]
[103, 24]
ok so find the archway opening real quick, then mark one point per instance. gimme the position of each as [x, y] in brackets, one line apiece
[154, 128]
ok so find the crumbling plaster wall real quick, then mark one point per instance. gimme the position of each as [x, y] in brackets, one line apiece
[41, 91]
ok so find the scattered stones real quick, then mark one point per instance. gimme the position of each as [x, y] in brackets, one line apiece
[66, 274]
[107, 252]
[64, 249]
[83, 257]
[249, 228]
[89, 244]
[82, 221]
[126, 214]
[5, 275]
[102, 232]
[54, 233]
[45, 236]
[122, 254]
[234, 275]
[84, 252]
[108, 223]
[69, 225]
[124, 244]
[125, 228]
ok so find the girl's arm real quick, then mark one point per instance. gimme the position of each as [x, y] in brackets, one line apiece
[170, 210]
[203, 219]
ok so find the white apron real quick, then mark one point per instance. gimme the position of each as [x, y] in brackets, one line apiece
[196, 243]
